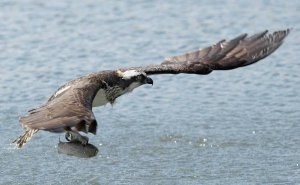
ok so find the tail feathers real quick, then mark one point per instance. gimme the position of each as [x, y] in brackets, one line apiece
[20, 141]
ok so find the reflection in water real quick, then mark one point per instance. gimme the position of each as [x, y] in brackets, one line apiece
[77, 149]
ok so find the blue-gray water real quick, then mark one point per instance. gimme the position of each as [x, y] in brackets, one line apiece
[231, 127]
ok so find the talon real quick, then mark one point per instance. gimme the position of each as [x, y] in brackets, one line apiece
[68, 136]
[84, 140]
[76, 137]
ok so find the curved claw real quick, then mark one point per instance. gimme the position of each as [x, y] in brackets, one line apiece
[84, 140]
[68, 136]
[72, 136]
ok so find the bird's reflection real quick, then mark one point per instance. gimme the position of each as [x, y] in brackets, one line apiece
[77, 149]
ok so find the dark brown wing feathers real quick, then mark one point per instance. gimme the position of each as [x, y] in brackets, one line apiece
[238, 52]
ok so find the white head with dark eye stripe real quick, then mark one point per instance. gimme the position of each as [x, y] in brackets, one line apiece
[133, 79]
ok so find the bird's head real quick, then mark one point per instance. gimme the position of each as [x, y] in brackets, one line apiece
[134, 78]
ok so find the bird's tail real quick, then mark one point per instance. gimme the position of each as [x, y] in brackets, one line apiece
[20, 141]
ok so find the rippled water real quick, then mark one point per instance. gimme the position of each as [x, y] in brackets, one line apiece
[232, 127]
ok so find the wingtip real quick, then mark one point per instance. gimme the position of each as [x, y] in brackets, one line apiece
[289, 30]
[285, 32]
[281, 34]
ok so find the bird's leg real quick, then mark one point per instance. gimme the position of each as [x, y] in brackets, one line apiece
[74, 136]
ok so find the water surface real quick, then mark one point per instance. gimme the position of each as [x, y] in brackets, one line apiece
[231, 127]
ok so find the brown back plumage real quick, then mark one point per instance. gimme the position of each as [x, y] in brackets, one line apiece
[71, 108]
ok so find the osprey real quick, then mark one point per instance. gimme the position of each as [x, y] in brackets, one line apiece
[69, 109]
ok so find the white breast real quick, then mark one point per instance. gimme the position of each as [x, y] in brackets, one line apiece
[112, 92]
[132, 86]
[100, 99]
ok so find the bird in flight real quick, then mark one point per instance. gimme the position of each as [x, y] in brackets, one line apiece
[69, 109]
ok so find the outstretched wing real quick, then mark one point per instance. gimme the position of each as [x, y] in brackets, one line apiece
[225, 55]
[71, 108]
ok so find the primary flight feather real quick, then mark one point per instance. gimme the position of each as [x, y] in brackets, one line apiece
[69, 109]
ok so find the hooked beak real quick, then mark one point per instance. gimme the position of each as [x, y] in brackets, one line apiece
[148, 81]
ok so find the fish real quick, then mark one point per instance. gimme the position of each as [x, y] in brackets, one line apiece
[77, 149]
